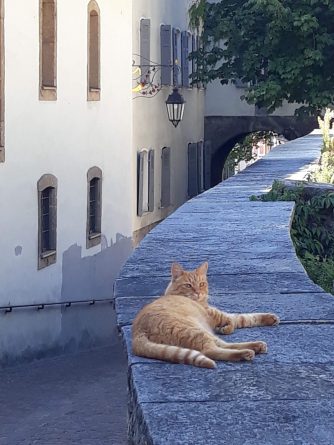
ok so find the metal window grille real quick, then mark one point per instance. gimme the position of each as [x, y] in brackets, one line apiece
[93, 205]
[46, 235]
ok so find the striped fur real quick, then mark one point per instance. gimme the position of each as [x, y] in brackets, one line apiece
[179, 326]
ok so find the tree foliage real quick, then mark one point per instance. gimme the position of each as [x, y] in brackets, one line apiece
[282, 49]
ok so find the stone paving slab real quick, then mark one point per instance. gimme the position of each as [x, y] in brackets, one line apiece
[262, 283]
[243, 264]
[246, 423]
[287, 344]
[318, 306]
[262, 382]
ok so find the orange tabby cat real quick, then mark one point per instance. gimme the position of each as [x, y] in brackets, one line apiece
[179, 326]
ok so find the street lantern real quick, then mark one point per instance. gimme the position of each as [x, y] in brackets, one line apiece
[175, 107]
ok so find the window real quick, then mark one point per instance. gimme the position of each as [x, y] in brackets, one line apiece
[94, 86]
[47, 220]
[94, 207]
[166, 54]
[207, 165]
[192, 170]
[199, 167]
[48, 50]
[165, 177]
[145, 49]
[145, 182]
[2, 83]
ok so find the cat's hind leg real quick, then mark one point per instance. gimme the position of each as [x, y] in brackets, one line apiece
[216, 352]
[259, 347]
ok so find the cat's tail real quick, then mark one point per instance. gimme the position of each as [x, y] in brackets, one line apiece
[143, 347]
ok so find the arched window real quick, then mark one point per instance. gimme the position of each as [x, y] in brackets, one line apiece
[47, 220]
[94, 86]
[94, 206]
[2, 83]
[48, 50]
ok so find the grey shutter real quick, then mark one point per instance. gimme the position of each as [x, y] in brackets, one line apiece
[166, 53]
[192, 170]
[165, 177]
[175, 57]
[184, 59]
[200, 167]
[207, 165]
[193, 60]
[198, 46]
[145, 44]
[151, 180]
[140, 186]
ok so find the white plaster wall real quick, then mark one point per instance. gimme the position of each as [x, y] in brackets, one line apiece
[65, 137]
[151, 128]
[224, 100]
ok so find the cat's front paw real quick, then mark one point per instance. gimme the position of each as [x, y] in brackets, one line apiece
[271, 320]
[247, 354]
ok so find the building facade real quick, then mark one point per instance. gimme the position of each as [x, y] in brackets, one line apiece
[66, 170]
[170, 162]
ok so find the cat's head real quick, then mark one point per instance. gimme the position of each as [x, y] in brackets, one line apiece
[192, 284]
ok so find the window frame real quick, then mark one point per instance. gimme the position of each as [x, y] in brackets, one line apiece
[47, 92]
[94, 238]
[93, 92]
[48, 257]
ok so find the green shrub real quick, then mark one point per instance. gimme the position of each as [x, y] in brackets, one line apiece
[312, 230]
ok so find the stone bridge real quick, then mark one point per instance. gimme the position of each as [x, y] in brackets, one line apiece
[225, 131]
[281, 398]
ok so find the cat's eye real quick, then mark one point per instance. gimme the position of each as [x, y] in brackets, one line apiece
[187, 285]
[202, 284]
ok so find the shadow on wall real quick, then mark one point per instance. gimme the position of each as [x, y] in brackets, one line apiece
[28, 334]
[93, 276]
[88, 278]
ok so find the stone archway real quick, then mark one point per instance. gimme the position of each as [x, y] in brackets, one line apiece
[225, 131]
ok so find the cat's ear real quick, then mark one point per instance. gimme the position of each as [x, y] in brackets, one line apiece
[203, 268]
[176, 270]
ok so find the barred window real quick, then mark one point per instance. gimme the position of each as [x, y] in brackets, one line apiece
[47, 220]
[94, 206]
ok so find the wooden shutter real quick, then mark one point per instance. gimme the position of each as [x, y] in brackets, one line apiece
[140, 184]
[145, 45]
[184, 59]
[200, 166]
[151, 180]
[175, 57]
[166, 54]
[207, 165]
[192, 170]
[165, 177]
